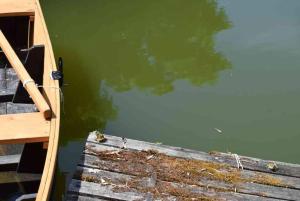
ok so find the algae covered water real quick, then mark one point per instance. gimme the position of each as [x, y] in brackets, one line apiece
[201, 74]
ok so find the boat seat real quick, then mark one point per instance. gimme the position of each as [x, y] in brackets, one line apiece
[33, 60]
[24, 128]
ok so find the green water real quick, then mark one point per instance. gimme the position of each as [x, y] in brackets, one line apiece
[177, 71]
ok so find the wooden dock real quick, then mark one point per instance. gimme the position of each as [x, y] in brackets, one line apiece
[148, 171]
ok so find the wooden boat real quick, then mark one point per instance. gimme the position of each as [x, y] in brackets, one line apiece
[26, 53]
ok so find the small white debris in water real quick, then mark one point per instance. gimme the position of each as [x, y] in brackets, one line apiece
[218, 130]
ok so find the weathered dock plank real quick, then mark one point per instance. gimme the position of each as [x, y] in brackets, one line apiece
[252, 187]
[210, 190]
[249, 163]
[89, 160]
[149, 171]
[75, 197]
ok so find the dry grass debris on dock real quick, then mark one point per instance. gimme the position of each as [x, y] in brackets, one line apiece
[147, 171]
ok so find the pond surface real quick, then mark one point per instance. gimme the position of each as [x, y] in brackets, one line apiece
[201, 74]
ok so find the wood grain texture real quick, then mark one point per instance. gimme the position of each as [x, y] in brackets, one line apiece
[76, 197]
[16, 7]
[87, 159]
[249, 163]
[99, 178]
[23, 128]
[95, 191]
[251, 188]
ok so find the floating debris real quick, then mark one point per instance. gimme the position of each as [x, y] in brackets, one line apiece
[218, 130]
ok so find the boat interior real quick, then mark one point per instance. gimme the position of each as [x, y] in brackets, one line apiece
[23, 129]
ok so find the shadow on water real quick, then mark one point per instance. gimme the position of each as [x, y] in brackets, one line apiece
[85, 105]
[80, 114]
[118, 45]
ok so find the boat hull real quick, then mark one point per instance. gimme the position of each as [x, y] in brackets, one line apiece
[51, 91]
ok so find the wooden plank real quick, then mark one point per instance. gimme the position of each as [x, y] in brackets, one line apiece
[2, 79]
[99, 191]
[242, 187]
[12, 80]
[16, 7]
[76, 197]
[113, 141]
[2, 108]
[13, 177]
[9, 159]
[11, 149]
[23, 128]
[13, 108]
[112, 181]
[249, 163]
[260, 165]
[89, 160]
[25, 78]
